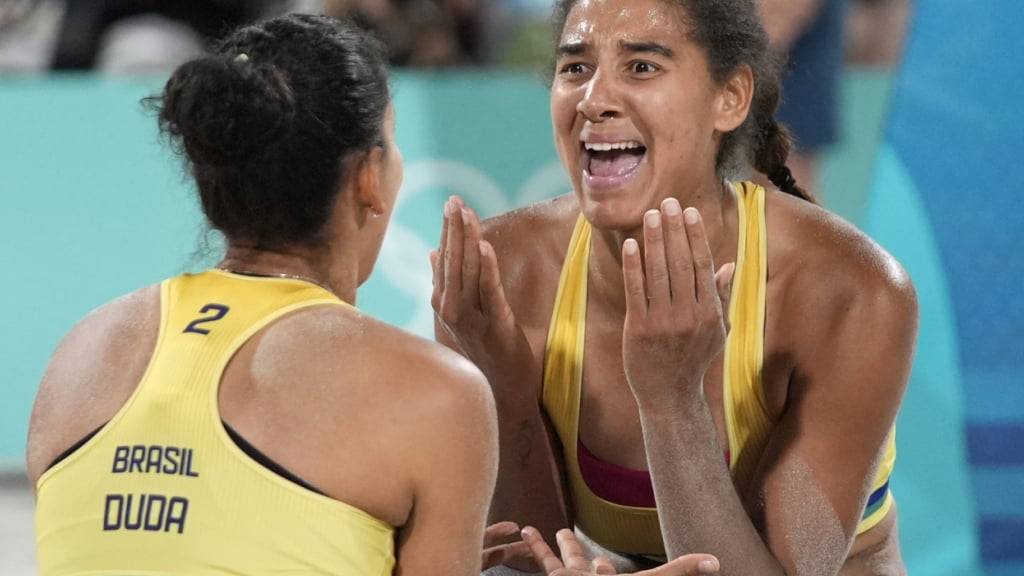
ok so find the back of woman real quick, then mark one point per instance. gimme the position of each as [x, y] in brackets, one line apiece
[248, 419]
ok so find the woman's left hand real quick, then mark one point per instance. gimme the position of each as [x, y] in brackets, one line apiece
[675, 307]
[574, 560]
[497, 550]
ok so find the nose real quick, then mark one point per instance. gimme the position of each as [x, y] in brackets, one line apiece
[600, 102]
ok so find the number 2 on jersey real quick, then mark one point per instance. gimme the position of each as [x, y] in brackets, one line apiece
[219, 311]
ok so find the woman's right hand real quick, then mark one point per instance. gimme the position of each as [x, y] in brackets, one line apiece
[574, 561]
[469, 300]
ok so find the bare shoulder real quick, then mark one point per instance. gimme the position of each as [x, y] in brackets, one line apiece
[530, 245]
[519, 235]
[836, 297]
[827, 263]
[426, 370]
[390, 370]
[93, 371]
[427, 405]
[117, 322]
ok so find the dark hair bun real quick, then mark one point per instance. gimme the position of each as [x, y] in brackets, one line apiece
[226, 109]
[266, 120]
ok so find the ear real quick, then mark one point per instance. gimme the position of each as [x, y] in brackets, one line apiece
[368, 194]
[734, 99]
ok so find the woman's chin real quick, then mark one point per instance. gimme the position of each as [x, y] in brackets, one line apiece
[612, 213]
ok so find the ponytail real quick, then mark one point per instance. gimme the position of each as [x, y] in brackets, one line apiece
[773, 146]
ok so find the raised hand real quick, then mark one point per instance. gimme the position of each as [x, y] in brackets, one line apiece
[676, 304]
[469, 299]
[574, 561]
[496, 551]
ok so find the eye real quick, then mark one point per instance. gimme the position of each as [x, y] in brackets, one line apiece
[573, 69]
[641, 67]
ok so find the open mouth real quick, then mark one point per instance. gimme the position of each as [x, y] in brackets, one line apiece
[611, 164]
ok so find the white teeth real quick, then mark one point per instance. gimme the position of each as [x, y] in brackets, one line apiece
[607, 147]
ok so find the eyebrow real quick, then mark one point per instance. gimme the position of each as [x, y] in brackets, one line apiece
[572, 49]
[648, 48]
[577, 48]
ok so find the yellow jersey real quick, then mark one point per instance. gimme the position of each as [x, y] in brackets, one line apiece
[164, 489]
[632, 529]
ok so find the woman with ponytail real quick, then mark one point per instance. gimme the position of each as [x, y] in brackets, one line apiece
[682, 359]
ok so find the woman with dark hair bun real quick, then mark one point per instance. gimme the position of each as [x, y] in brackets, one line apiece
[682, 359]
[248, 419]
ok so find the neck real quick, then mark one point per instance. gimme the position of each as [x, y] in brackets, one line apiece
[717, 205]
[339, 275]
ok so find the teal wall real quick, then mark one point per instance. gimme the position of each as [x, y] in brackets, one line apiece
[94, 206]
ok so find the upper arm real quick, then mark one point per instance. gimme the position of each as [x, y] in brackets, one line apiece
[454, 465]
[817, 470]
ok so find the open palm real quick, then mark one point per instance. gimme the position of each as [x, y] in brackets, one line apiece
[574, 561]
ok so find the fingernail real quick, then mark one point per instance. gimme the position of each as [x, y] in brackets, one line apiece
[653, 219]
[692, 216]
[483, 249]
[465, 215]
[631, 247]
[672, 207]
[708, 567]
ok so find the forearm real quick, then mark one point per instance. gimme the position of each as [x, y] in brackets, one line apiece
[699, 509]
[528, 489]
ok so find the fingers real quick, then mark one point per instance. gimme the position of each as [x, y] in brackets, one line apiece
[654, 260]
[723, 284]
[451, 262]
[437, 261]
[677, 251]
[492, 295]
[689, 565]
[495, 553]
[703, 263]
[504, 554]
[633, 276]
[470, 259]
[453, 248]
[542, 553]
[573, 555]
[602, 565]
[437, 279]
[495, 533]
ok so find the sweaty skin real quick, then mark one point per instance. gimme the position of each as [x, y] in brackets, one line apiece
[840, 328]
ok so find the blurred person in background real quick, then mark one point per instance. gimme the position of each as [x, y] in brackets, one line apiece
[809, 34]
[818, 38]
[117, 36]
[145, 36]
[28, 34]
[876, 32]
[521, 33]
[421, 33]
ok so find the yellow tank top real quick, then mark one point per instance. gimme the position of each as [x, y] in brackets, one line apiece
[163, 489]
[635, 530]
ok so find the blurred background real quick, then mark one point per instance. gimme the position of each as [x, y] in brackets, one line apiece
[907, 122]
